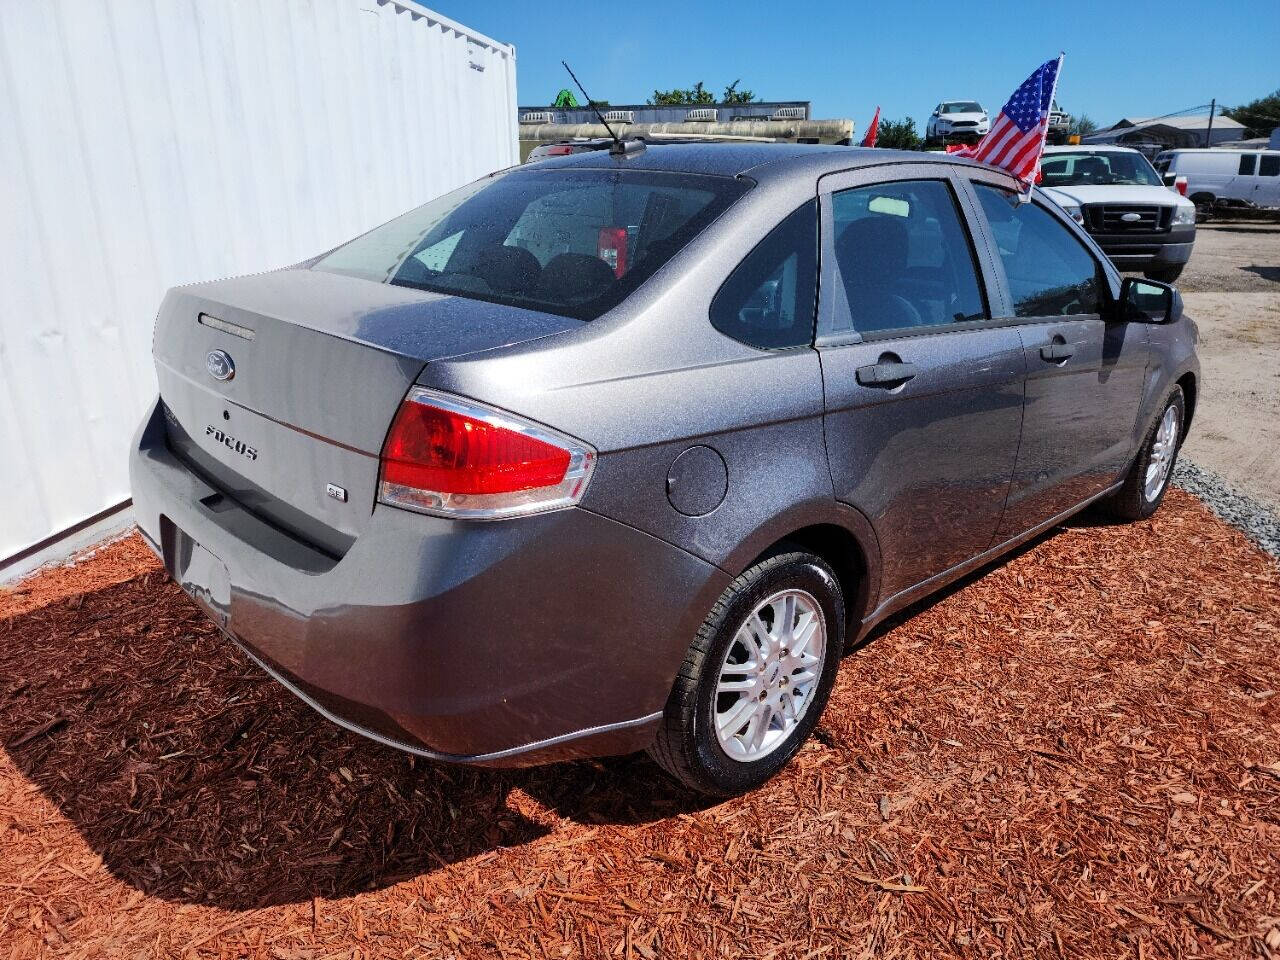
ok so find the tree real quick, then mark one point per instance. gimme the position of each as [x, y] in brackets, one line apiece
[1082, 125]
[733, 95]
[1259, 116]
[697, 94]
[898, 135]
[678, 97]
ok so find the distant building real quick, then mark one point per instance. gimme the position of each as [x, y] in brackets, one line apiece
[1151, 135]
[785, 120]
[762, 111]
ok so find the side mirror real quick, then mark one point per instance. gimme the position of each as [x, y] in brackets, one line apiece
[1148, 301]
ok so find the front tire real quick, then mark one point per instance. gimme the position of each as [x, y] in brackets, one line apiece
[756, 678]
[1164, 274]
[1148, 480]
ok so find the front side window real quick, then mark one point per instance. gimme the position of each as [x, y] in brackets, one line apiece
[571, 242]
[769, 299]
[1248, 163]
[1050, 272]
[903, 257]
[1270, 166]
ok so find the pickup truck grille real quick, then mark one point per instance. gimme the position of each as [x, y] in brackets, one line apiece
[1127, 218]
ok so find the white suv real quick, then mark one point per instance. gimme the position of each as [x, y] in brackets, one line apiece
[957, 118]
[1115, 194]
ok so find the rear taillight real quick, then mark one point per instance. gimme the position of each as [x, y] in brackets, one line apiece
[456, 458]
[1180, 184]
[612, 248]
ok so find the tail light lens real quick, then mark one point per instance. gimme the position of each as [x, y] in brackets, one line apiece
[457, 458]
[1180, 184]
[612, 248]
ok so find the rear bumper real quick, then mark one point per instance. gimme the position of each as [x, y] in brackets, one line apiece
[504, 643]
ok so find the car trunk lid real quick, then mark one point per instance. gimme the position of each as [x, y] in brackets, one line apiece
[279, 388]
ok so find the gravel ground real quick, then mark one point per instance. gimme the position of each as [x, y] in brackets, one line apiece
[1233, 258]
[1232, 291]
[1242, 511]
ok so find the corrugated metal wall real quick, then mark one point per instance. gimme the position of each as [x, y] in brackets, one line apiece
[148, 143]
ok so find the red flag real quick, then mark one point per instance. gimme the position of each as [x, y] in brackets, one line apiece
[870, 139]
[1016, 139]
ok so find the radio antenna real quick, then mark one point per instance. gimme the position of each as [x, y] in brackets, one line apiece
[618, 148]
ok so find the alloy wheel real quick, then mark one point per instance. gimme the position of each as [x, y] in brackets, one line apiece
[1163, 449]
[770, 675]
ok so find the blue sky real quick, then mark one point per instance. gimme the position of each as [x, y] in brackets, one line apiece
[1122, 58]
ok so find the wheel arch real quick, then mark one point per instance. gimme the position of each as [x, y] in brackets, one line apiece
[841, 535]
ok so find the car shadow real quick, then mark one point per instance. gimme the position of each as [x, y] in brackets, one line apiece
[197, 779]
[1266, 273]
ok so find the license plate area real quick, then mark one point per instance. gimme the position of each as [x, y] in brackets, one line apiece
[200, 574]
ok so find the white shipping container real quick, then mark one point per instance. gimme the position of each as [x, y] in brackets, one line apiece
[147, 144]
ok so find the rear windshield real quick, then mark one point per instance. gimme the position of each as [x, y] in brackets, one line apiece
[570, 242]
[1107, 169]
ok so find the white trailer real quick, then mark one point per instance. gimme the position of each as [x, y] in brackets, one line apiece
[144, 145]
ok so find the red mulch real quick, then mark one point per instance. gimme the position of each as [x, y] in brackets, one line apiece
[1076, 755]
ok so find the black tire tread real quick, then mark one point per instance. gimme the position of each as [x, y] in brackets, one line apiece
[670, 748]
[1129, 503]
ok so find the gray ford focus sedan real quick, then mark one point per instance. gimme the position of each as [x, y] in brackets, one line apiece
[622, 451]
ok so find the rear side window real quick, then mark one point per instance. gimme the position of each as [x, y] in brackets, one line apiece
[769, 299]
[571, 242]
[1269, 165]
[904, 258]
[1050, 273]
[1248, 163]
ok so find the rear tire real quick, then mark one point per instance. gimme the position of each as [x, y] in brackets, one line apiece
[1164, 274]
[1148, 480]
[707, 736]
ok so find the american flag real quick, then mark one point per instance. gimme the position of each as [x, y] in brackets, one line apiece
[1016, 139]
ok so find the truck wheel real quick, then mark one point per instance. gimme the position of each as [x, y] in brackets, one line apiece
[756, 677]
[1164, 274]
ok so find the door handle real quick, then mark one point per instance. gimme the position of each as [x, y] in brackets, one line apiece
[1056, 351]
[885, 373]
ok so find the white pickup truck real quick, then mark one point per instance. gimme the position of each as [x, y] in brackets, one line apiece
[1115, 194]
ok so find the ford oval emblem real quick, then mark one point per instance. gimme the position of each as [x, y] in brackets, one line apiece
[220, 365]
[1131, 217]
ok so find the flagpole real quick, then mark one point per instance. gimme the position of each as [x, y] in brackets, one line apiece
[1053, 92]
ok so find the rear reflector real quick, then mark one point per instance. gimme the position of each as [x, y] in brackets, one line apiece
[453, 457]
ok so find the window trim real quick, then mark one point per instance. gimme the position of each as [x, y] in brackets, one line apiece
[973, 178]
[831, 295]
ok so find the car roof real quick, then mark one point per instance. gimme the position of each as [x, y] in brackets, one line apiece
[757, 160]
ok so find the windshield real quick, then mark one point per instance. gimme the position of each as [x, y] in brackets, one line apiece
[1082, 169]
[571, 242]
[961, 106]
